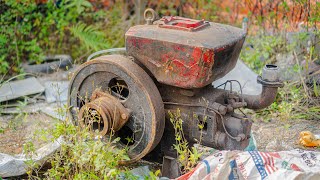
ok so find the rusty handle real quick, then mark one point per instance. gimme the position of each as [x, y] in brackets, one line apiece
[270, 83]
[150, 16]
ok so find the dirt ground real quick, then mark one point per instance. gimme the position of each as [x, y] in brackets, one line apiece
[16, 131]
[282, 135]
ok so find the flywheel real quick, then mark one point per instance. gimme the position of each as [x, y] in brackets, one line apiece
[119, 92]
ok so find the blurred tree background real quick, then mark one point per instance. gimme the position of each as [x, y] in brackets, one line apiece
[31, 29]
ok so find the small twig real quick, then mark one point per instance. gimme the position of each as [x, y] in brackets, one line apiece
[301, 78]
[315, 73]
[15, 38]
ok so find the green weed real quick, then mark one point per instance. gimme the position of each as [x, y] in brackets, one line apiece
[82, 155]
[262, 49]
[187, 157]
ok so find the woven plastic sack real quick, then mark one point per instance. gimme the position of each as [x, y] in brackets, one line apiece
[294, 164]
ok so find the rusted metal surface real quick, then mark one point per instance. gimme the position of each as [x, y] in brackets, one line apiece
[104, 113]
[265, 99]
[170, 167]
[186, 59]
[223, 129]
[136, 91]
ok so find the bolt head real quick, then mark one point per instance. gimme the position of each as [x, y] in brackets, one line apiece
[123, 116]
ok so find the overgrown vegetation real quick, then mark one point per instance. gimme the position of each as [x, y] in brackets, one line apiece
[82, 156]
[31, 29]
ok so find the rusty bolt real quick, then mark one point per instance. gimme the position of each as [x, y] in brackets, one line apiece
[123, 116]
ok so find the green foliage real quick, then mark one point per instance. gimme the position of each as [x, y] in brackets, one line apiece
[262, 49]
[90, 36]
[315, 15]
[153, 175]
[80, 5]
[16, 24]
[187, 157]
[27, 28]
[30, 30]
[82, 155]
[292, 103]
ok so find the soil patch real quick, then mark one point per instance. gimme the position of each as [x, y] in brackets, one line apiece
[17, 131]
[282, 135]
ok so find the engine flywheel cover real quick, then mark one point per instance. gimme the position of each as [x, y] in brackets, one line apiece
[137, 92]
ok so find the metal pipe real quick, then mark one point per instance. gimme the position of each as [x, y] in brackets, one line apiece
[262, 100]
[105, 51]
[270, 83]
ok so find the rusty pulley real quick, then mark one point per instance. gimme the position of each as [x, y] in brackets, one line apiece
[123, 97]
[103, 113]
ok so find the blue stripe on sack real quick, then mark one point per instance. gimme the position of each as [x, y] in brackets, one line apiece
[259, 163]
[207, 165]
[233, 167]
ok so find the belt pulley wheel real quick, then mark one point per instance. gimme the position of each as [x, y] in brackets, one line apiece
[133, 87]
[103, 113]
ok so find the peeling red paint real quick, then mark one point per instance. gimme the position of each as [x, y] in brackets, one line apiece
[196, 54]
[180, 69]
[184, 66]
[208, 57]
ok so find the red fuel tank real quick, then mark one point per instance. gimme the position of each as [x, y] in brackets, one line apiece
[184, 52]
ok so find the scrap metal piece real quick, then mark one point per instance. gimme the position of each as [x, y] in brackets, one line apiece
[170, 167]
[56, 91]
[50, 64]
[16, 89]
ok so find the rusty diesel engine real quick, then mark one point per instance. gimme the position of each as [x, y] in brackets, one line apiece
[169, 65]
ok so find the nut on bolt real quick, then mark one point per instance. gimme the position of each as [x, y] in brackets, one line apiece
[123, 116]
